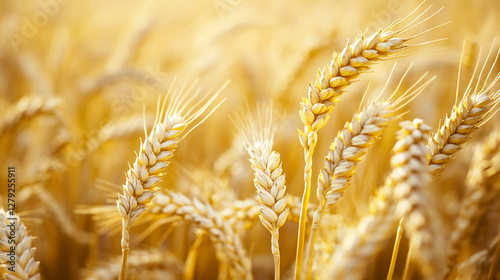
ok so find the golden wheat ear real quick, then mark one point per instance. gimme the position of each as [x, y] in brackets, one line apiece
[269, 180]
[348, 149]
[331, 83]
[362, 244]
[479, 103]
[26, 267]
[185, 107]
[346, 65]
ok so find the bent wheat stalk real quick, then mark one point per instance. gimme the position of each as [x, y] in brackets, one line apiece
[26, 267]
[143, 177]
[331, 82]
[204, 216]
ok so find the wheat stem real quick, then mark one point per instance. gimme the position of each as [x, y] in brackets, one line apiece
[348, 149]
[395, 250]
[143, 177]
[330, 84]
[408, 271]
[123, 270]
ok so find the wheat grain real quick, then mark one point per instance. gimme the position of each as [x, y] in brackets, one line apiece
[240, 213]
[143, 177]
[245, 211]
[26, 267]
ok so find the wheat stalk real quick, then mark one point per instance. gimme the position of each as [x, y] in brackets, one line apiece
[270, 184]
[466, 117]
[348, 149]
[269, 180]
[362, 244]
[26, 267]
[331, 82]
[143, 177]
[478, 193]
[205, 217]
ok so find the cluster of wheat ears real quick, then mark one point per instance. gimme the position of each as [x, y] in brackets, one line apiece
[403, 233]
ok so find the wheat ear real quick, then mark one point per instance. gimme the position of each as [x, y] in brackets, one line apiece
[348, 149]
[238, 214]
[270, 184]
[26, 267]
[410, 165]
[478, 193]
[269, 180]
[143, 177]
[473, 110]
[363, 243]
[205, 217]
[330, 84]
[25, 108]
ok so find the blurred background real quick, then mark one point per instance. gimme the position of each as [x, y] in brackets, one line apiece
[76, 75]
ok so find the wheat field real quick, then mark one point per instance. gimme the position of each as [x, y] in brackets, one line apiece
[249, 139]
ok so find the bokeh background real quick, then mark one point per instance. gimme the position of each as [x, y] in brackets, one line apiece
[76, 75]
